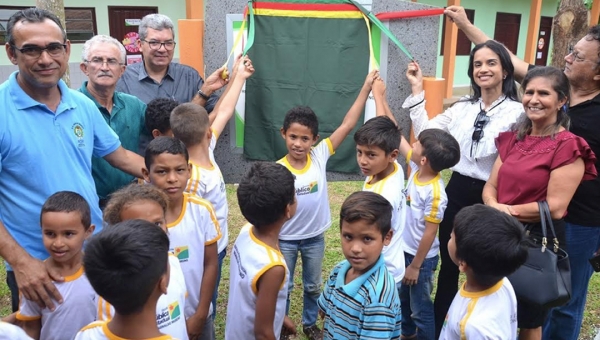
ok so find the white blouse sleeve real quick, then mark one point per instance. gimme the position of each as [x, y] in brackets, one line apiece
[419, 118]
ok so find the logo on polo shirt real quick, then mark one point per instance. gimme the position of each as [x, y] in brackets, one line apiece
[308, 189]
[168, 315]
[182, 253]
[78, 131]
[174, 311]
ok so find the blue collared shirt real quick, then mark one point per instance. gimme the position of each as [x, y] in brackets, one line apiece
[42, 152]
[367, 307]
[181, 83]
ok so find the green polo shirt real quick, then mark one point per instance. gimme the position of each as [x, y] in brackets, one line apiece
[127, 120]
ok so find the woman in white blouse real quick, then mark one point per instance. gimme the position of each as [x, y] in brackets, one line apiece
[475, 121]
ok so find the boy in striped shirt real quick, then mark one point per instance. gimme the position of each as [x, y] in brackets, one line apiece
[360, 300]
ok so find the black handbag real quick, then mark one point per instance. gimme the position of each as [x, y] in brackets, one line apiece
[545, 278]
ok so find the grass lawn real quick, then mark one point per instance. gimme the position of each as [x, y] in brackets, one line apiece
[338, 191]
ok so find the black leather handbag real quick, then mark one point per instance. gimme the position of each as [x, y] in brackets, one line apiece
[545, 278]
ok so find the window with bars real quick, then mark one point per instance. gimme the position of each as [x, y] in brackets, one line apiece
[80, 22]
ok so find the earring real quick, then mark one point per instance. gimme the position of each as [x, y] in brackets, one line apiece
[504, 77]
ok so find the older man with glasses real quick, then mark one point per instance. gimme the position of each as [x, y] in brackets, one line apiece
[48, 135]
[158, 77]
[103, 62]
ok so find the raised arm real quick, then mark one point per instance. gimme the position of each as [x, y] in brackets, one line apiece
[349, 122]
[225, 107]
[213, 83]
[415, 103]
[382, 108]
[477, 36]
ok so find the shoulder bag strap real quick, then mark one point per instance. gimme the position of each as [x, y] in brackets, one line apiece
[543, 222]
[550, 224]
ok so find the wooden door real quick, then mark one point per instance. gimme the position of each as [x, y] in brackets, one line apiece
[123, 22]
[543, 43]
[507, 30]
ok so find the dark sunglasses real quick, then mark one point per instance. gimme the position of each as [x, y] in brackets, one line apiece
[480, 121]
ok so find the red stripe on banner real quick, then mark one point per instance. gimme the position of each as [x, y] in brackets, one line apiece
[410, 14]
[305, 7]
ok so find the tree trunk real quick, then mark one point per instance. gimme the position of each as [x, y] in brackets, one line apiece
[569, 26]
[58, 8]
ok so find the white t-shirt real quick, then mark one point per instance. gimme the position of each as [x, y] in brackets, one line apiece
[251, 258]
[169, 307]
[392, 188]
[99, 331]
[426, 201]
[490, 314]
[208, 183]
[312, 213]
[195, 228]
[77, 310]
[12, 332]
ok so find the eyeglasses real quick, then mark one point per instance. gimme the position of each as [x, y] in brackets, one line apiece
[576, 56]
[34, 52]
[98, 62]
[156, 45]
[480, 121]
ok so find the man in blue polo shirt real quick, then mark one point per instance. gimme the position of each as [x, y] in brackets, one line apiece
[48, 134]
[103, 62]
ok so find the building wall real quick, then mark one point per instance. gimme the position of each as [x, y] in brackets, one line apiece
[485, 19]
[174, 9]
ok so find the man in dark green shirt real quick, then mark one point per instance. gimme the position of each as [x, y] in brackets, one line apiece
[103, 62]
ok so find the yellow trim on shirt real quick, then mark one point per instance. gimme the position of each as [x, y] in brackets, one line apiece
[183, 209]
[92, 325]
[331, 149]
[435, 206]
[262, 272]
[22, 317]
[381, 182]
[474, 296]
[274, 261]
[75, 275]
[211, 210]
[293, 170]
[408, 156]
[112, 336]
[419, 183]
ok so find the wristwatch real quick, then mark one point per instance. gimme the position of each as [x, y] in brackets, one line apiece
[202, 94]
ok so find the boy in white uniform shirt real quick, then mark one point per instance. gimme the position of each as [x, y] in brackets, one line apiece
[304, 233]
[127, 264]
[258, 272]
[376, 152]
[147, 202]
[487, 245]
[66, 224]
[434, 151]
[192, 228]
[191, 124]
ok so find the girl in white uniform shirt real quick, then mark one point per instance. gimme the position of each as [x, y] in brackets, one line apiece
[475, 121]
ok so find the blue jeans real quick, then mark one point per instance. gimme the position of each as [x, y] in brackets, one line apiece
[564, 323]
[312, 251]
[417, 306]
[216, 293]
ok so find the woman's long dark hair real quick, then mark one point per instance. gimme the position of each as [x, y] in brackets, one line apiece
[560, 84]
[509, 89]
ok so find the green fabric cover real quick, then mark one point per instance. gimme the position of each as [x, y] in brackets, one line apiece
[320, 63]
